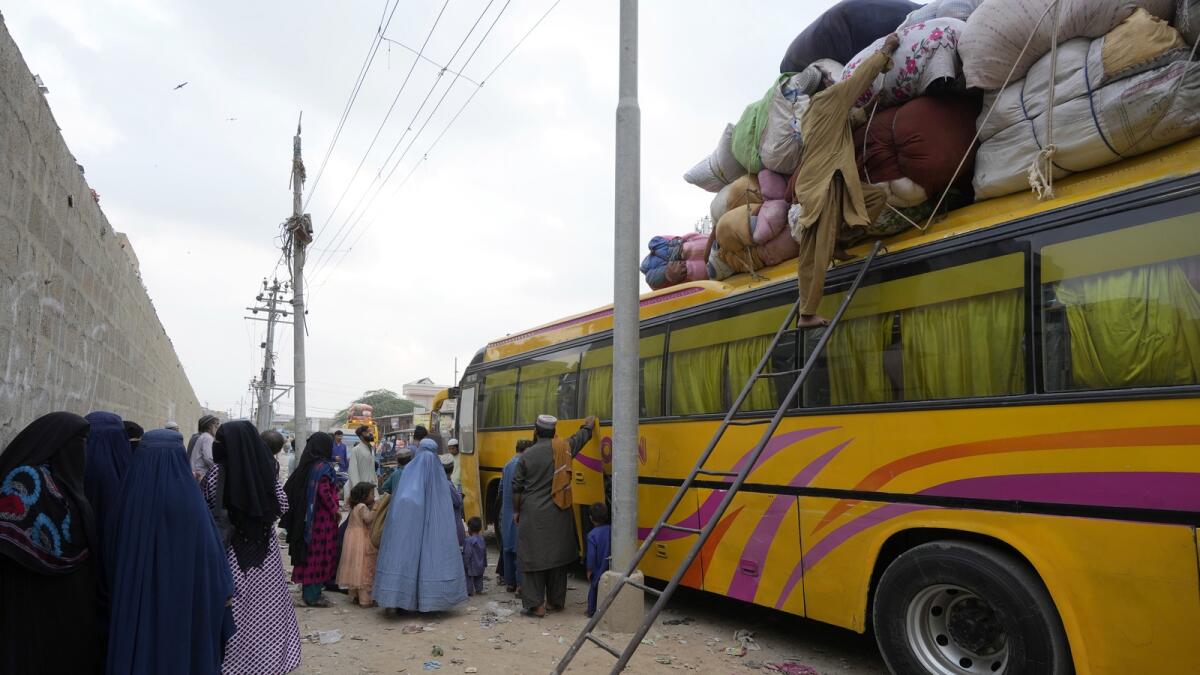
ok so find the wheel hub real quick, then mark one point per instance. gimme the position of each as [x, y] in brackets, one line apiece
[953, 631]
[973, 624]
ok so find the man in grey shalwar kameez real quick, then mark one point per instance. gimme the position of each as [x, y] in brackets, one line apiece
[546, 543]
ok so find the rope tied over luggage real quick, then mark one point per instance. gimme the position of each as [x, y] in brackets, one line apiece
[982, 123]
[1041, 171]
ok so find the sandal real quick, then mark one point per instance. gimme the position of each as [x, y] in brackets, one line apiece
[319, 603]
[533, 613]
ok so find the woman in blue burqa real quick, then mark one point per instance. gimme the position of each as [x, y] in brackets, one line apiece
[420, 563]
[49, 580]
[168, 577]
[108, 458]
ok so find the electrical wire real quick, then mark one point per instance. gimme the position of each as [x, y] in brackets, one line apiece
[377, 39]
[321, 259]
[321, 230]
[437, 140]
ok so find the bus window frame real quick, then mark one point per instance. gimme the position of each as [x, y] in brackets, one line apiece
[1135, 216]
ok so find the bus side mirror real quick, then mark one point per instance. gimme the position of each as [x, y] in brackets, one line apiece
[454, 392]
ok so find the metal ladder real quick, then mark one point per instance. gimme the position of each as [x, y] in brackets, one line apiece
[739, 477]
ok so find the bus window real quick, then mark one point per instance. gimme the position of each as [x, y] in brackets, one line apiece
[499, 398]
[712, 358]
[1122, 308]
[953, 332]
[595, 388]
[547, 387]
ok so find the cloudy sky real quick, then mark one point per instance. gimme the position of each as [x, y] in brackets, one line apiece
[505, 223]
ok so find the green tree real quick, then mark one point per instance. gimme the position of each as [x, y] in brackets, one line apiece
[383, 401]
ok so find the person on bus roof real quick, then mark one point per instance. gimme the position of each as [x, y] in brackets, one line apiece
[827, 189]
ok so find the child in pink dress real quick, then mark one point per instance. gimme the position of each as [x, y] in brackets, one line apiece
[356, 572]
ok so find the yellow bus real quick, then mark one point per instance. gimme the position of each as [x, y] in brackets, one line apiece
[996, 467]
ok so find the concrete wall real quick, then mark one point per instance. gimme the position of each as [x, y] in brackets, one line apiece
[77, 329]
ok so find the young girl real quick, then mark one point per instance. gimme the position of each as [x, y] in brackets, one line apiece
[357, 569]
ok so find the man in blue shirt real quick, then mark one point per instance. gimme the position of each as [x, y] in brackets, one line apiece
[599, 540]
[340, 454]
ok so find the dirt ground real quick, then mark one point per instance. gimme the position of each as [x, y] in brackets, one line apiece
[692, 635]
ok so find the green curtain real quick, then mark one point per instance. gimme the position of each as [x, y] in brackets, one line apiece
[538, 397]
[652, 386]
[744, 356]
[696, 380]
[964, 348]
[501, 403]
[597, 392]
[1134, 327]
[855, 361]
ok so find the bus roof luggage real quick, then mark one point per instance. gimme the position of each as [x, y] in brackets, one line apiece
[997, 31]
[843, 30]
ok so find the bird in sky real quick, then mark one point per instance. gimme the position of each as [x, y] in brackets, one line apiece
[180, 86]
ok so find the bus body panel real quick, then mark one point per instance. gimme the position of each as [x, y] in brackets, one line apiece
[760, 547]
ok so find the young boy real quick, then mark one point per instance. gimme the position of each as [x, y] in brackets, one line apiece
[598, 542]
[474, 556]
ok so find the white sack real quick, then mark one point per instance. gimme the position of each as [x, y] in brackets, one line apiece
[718, 169]
[998, 29]
[1080, 70]
[1131, 122]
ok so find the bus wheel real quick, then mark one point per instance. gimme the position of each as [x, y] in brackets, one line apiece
[962, 608]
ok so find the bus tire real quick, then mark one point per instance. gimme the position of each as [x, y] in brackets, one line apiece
[959, 608]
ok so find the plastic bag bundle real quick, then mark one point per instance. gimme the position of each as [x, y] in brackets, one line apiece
[843, 30]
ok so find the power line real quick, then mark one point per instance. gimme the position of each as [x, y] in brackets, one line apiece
[437, 140]
[379, 130]
[322, 259]
[362, 76]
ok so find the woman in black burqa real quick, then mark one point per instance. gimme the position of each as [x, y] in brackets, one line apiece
[49, 581]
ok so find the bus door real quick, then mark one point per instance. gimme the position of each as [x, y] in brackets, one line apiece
[469, 471]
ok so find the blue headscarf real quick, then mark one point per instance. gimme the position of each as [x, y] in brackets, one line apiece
[419, 567]
[168, 575]
[107, 457]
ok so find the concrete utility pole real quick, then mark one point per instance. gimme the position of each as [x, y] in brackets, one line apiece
[268, 370]
[265, 384]
[300, 234]
[626, 612]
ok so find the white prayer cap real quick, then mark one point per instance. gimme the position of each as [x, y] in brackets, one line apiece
[452, 442]
[547, 422]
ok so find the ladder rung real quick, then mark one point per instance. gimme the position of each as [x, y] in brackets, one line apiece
[750, 423]
[725, 474]
[636, 584]
[681, 528]
[603, 645]
[780, 373]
